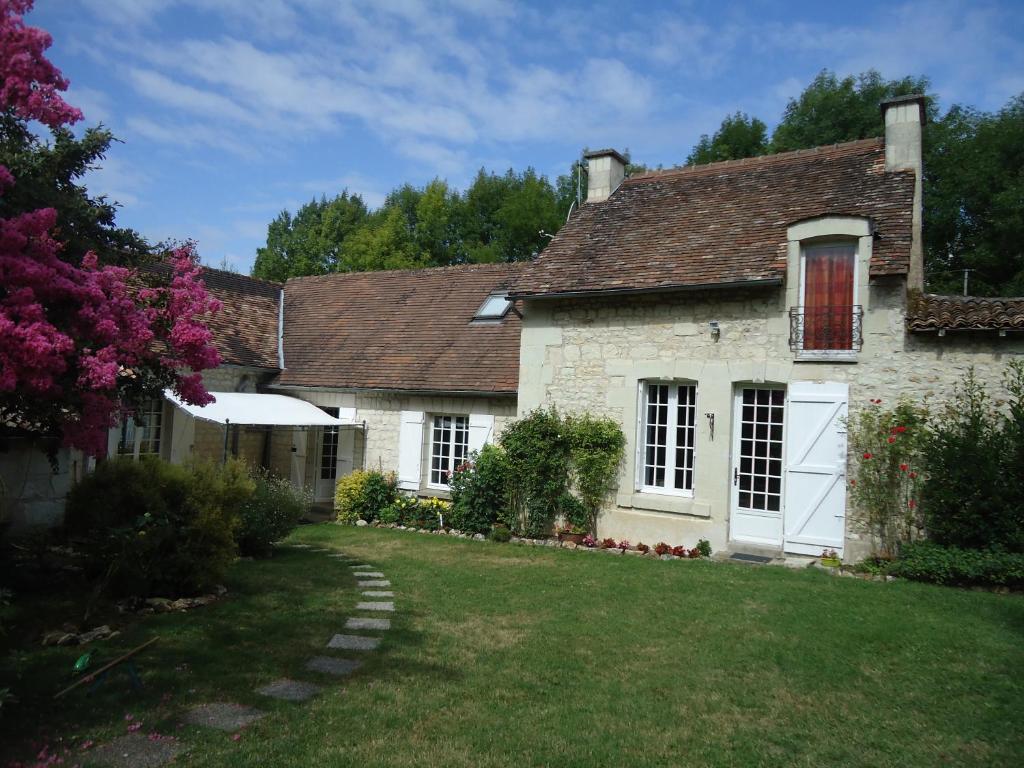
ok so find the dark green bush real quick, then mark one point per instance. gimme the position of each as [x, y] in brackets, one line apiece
[152, 528]
[575, 513]
[479, 489]
[269, 514]
[596, 449]
[926, 561]
[974, 455]
[537, 448]
[499, 533]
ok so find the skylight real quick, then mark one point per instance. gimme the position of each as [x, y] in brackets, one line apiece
[494, 307]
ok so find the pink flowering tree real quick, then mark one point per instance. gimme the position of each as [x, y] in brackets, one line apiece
[82, 340]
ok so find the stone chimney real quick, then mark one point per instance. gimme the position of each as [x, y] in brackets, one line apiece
[904, 116]
[606, 169]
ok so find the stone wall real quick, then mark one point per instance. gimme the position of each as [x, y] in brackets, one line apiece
[589, 355]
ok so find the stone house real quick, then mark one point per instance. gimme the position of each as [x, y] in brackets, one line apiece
[731, 316]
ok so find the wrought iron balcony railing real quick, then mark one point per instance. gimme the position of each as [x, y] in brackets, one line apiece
[826, 329]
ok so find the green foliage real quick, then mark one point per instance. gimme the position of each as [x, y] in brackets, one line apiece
[888, 473]
[704, 547]
[596, 448]
[574, 513]
[974, 496]
[311, 242]
[402, 511]
[927, 561]
[153, 528]
[739, 136]
[480, 491]
[361, 495]
[832, 110]
[537, 448]
[974, 184]
[49, 175]
[500, 534]
[269, 514]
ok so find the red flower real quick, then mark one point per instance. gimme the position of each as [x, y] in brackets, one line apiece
[911, 503]
[892, 439]
[904, 467]
[913, 475]
[853, 482]
[901, 430]
[867, 455]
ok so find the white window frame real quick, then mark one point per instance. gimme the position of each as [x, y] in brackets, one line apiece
[154, 407]
[671, 444]
[447, 449]
[828, 354]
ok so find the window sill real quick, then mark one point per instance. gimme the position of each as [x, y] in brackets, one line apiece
[826, 356]
[661, 502]
[432, 492]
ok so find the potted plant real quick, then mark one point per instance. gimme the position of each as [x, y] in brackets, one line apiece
[830, 558]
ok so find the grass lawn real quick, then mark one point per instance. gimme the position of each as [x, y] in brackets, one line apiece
[502, 655]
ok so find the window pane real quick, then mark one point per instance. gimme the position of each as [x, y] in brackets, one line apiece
[759, 467]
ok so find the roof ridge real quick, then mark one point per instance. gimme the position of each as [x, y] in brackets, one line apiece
[824, 149]
[229, 273]
[958, 297]
[414, 270]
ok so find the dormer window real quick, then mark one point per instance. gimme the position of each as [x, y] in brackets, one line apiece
[827, 324]
[495, 307]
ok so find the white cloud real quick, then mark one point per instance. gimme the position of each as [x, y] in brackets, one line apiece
[118, 181]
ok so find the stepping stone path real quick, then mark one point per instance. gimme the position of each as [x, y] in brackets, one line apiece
[224, 716]
[384, 606]
[137, 750]
[289, 690]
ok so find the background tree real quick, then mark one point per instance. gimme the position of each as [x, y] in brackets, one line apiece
[831, 110]
[739, 136]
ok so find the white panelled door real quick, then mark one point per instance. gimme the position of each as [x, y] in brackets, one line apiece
[815, 482]
[410, 449]
[757, 472]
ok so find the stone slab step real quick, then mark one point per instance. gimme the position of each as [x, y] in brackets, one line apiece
[361, 623]
[328, 665]
[369, 575]
[136, 750]
[378, 593]
[222, 715]
[375, 606]
[354, 643]
[374, 583]
[289, 690]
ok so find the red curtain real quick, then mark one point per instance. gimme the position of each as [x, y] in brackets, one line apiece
[828, 297]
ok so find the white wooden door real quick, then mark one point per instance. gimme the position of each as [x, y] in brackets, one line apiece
[815, 498]
[757, 466]
[299, 442]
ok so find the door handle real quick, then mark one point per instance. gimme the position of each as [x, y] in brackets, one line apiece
[735, 476]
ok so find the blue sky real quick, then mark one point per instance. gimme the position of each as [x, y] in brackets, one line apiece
[232, 110]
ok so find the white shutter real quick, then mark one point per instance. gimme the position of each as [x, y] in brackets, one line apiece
[638, 465]
[298, 468]
[815, 492]
[481, 426]
[410, 446]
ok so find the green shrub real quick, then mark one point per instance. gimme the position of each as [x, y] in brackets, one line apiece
[596, 448]
[974, 495]
[537, 450]
[269, 514]
[362, 495]
[926, 561]
[888, 471]
[499, 533]
[479, 489]
[575, 514]
[404, 510]
[152, 528]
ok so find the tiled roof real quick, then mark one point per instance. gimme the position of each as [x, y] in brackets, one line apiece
[724, 222]
[404, 329]
[245, 329]
[929, 312]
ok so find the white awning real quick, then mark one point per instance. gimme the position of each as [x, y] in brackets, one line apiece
[259, 409]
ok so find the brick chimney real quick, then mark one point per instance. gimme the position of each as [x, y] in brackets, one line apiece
[904, 117]
[606, 169]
